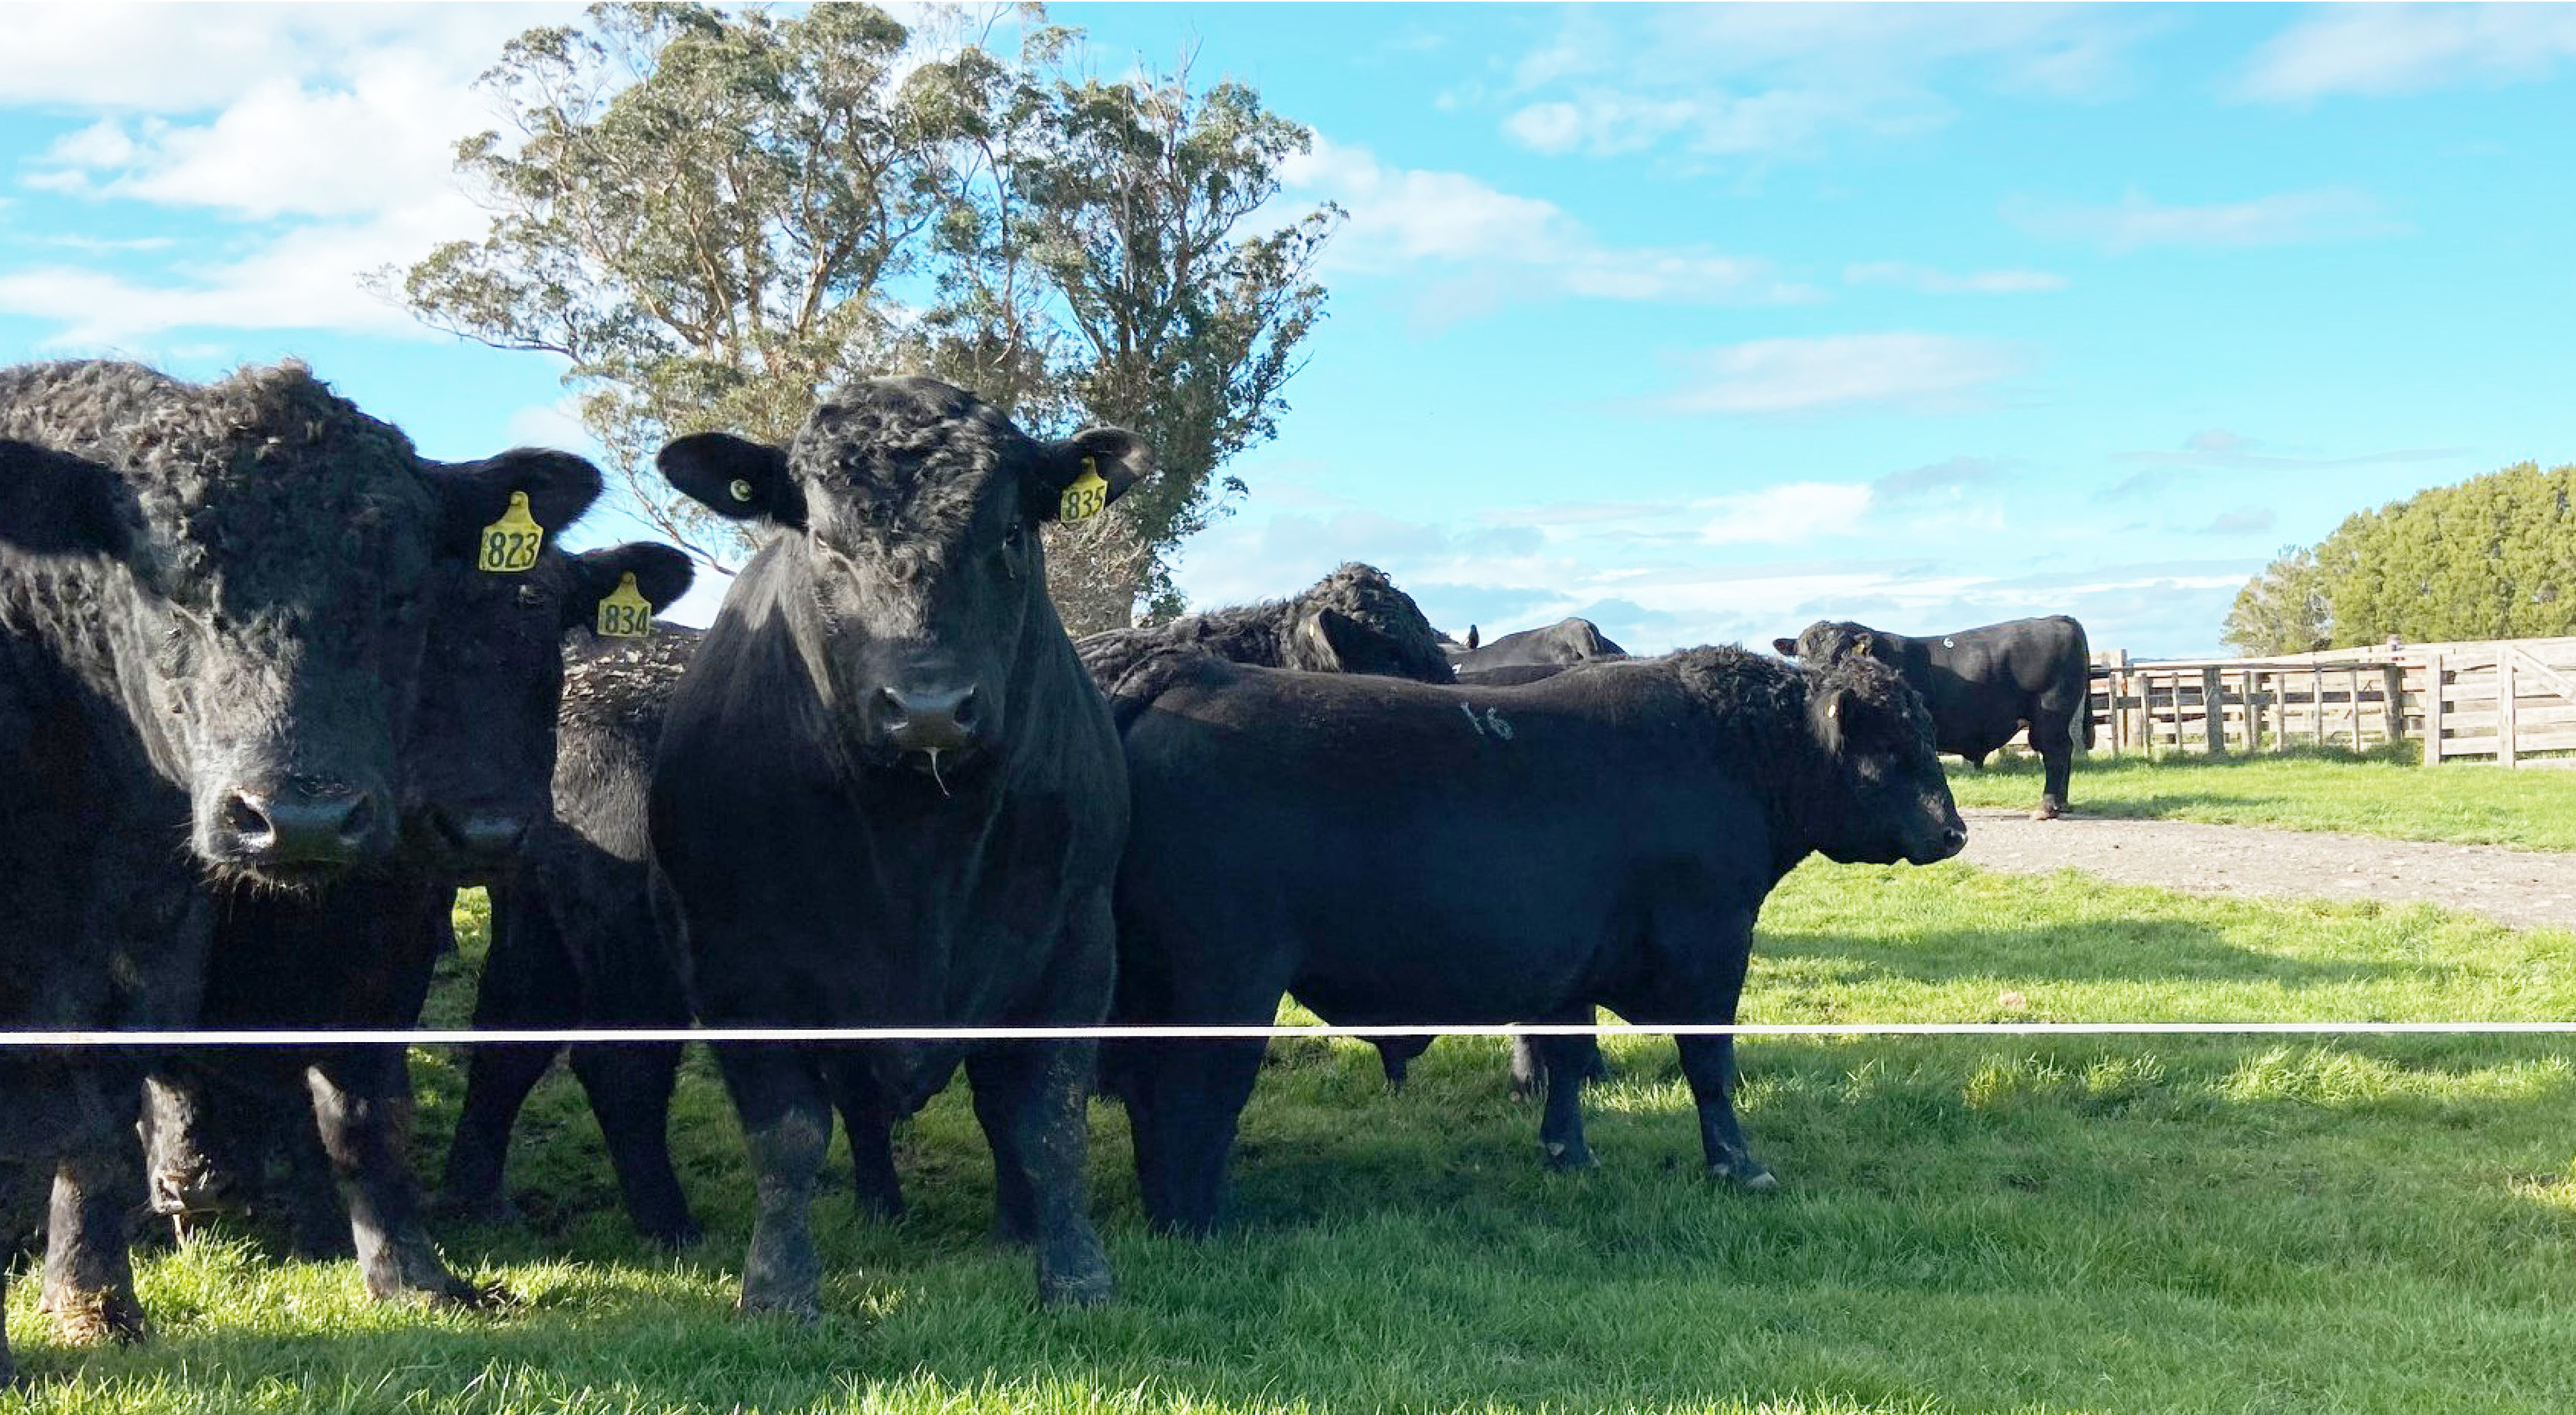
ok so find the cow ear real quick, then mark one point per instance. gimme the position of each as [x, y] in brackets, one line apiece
[1327, 641]
[734, 477]
[476, 497]
[661, 573]
[53, 503]
[1786, 648]
[1862, 644]
[1842, 709]
[1064, 487]
[1471, 638]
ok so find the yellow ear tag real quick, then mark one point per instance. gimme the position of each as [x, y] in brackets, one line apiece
[625, 613]
[1086, 496]
[511, 543]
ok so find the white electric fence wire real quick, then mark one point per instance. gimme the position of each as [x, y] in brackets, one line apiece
[593, 1036]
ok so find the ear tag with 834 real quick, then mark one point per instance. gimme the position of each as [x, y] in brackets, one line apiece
[624, 613]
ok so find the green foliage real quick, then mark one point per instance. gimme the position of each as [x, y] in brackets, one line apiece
[2491, 558]
[2040, 1225]
[2282, 610]
[714, 215]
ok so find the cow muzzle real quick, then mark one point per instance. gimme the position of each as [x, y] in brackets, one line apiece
[475, 839]
[925, 720]
[298, 824]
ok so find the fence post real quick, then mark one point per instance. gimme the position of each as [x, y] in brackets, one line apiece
[2395, 701]
[2253, 718]
[2317, 702]
[2508, 721]
[2433, 709]
[2354, 693]
[2213, 702]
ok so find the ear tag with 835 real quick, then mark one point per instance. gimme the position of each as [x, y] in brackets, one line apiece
[1083, 499]
[624, 613]
[511, 544]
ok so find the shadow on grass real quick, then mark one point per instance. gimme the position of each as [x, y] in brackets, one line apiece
[2126, 951]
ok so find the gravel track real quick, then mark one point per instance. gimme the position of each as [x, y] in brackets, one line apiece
[2521, 888]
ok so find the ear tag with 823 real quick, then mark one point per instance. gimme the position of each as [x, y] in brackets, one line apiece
[624, 613]
[510, 545]
[1083, 499]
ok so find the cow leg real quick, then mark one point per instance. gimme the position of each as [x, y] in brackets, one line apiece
[1395, 1054]
[630, 1092]
[1198, 1089]
[1709, 1064]
[1031, 1099]
[786, 1128]
[89, 1278]
[1034, 1102]
[362, 1104]
[528, 980]
[1564, 1067]
[498, 1080]
[867, 1116]
[2054, 735]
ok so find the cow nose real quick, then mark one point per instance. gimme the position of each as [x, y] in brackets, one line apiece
[480, 835]
[1953, 839]
[928, 720]
[196, 1189]
[302, 825]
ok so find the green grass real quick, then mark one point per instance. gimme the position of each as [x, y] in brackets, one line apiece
[1966, 1224]
[2374, 794]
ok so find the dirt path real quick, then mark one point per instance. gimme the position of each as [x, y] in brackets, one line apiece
[2523, 888]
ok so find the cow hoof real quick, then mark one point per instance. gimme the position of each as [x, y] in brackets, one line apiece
[96, 1318]
[807, 1309]
[1568, 1159]
[1086, 1284]
[684, 1234]
[1746, 1175]
[2048, 811]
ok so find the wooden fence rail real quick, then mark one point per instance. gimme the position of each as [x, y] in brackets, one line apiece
[2503, 701]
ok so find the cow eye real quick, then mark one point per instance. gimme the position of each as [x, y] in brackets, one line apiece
[530, 597]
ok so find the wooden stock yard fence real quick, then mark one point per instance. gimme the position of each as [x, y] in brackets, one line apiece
[2509, 701]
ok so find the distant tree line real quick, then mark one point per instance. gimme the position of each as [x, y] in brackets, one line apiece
[2491, 558]
[713, 215]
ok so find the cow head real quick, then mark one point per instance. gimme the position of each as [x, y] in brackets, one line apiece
[1890, 800]
[1827, 642]
[479, 762]
[244, 566]
[911, 512]
[1356, 621]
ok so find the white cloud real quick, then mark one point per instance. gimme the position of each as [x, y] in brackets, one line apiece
[175, 58]
[1906, 371]
[2392, 49]
[1926, 280]
[1737, 80]
[2220, 448]
[1484, 245]
[1782, 515]
[327, 133]
[2138, 221]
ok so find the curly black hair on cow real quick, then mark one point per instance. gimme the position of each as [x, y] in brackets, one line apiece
[1373, 627]
[268, 458]
[907, 460]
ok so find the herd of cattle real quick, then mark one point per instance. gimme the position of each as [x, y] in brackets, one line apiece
[273, 686]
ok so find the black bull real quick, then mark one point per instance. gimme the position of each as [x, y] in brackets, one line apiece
[1983, 685]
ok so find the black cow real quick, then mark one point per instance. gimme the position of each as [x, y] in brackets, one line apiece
[887, 794]
[361, 953]
[1380, 861]
[1983, 685]
[1563, 643]
[211, 623]
[1354, 620]
[573, 945]
[571, 940]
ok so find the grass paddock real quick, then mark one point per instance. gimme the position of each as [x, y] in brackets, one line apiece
[2377, 793]
[1966, 1224]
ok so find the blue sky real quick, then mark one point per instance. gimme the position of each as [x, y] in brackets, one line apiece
[1704, 322]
